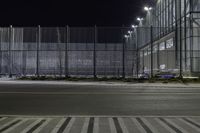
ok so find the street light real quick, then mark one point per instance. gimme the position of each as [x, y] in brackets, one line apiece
[134, 26]
[126, 36]
[140, 19]
[146, 8]
[130, 32]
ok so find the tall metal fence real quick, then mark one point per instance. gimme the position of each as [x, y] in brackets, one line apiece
[99, 51]
[66, 51]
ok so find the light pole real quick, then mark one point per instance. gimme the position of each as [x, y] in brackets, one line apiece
[139, 32]
[140, 20]
[137, 55]
[148, 9]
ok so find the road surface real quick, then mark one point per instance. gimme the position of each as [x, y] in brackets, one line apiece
[101, 99]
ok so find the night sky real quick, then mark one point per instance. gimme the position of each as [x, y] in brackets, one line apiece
[71, 12]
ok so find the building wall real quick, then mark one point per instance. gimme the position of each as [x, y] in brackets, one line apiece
[180, 18]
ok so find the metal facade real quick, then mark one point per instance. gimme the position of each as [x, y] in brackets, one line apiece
[168, 39]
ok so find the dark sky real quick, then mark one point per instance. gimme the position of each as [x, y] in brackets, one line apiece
[70, 12]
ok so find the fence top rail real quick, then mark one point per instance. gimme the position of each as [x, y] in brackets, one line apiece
[106, 27]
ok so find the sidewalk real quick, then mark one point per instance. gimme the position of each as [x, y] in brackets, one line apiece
[100, 83]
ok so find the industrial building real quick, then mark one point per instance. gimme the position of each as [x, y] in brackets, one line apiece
[168, 38]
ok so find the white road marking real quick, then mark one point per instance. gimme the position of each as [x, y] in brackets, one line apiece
[69, 126]
[140, 128]
[175, 125]
[3, 118]
[112, 125]
[103, 93]
[150, 126]
[42, 126]
[190, 125]
[123, 126]
[164, 125]
[15, 126]
[59, 124]
[8, 123]
[96, 125]
[31, 125]
[85, 125]
[192, 120]
[99, 116]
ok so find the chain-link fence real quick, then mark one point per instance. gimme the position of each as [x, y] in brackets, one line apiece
[99, 51]
[66, 51]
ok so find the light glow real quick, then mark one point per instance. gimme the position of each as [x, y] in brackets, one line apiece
[140, 19]
[134, 26]
[147, 8]
[129, 32]
[126, 36]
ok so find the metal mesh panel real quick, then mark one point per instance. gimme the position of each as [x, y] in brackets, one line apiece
[5, 56]
[52, 51]
[98, 51]
[109, 63]
[109, 52]
[80, 52]
[30, 38]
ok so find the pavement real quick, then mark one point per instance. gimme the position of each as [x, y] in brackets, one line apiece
[98, 107]
[97, 83]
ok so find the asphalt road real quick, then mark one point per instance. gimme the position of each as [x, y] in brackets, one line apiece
[98, 100]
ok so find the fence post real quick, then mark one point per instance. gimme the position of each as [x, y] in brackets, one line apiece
[180, 25]
[38, 45]
[9, 50]
[123, 59]
[66, 50]
[137, 53]
[191, 36]
[185, 32]
[94, 52]
[23, 56]
[151, 51]
[143, 67]
[0, 55]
